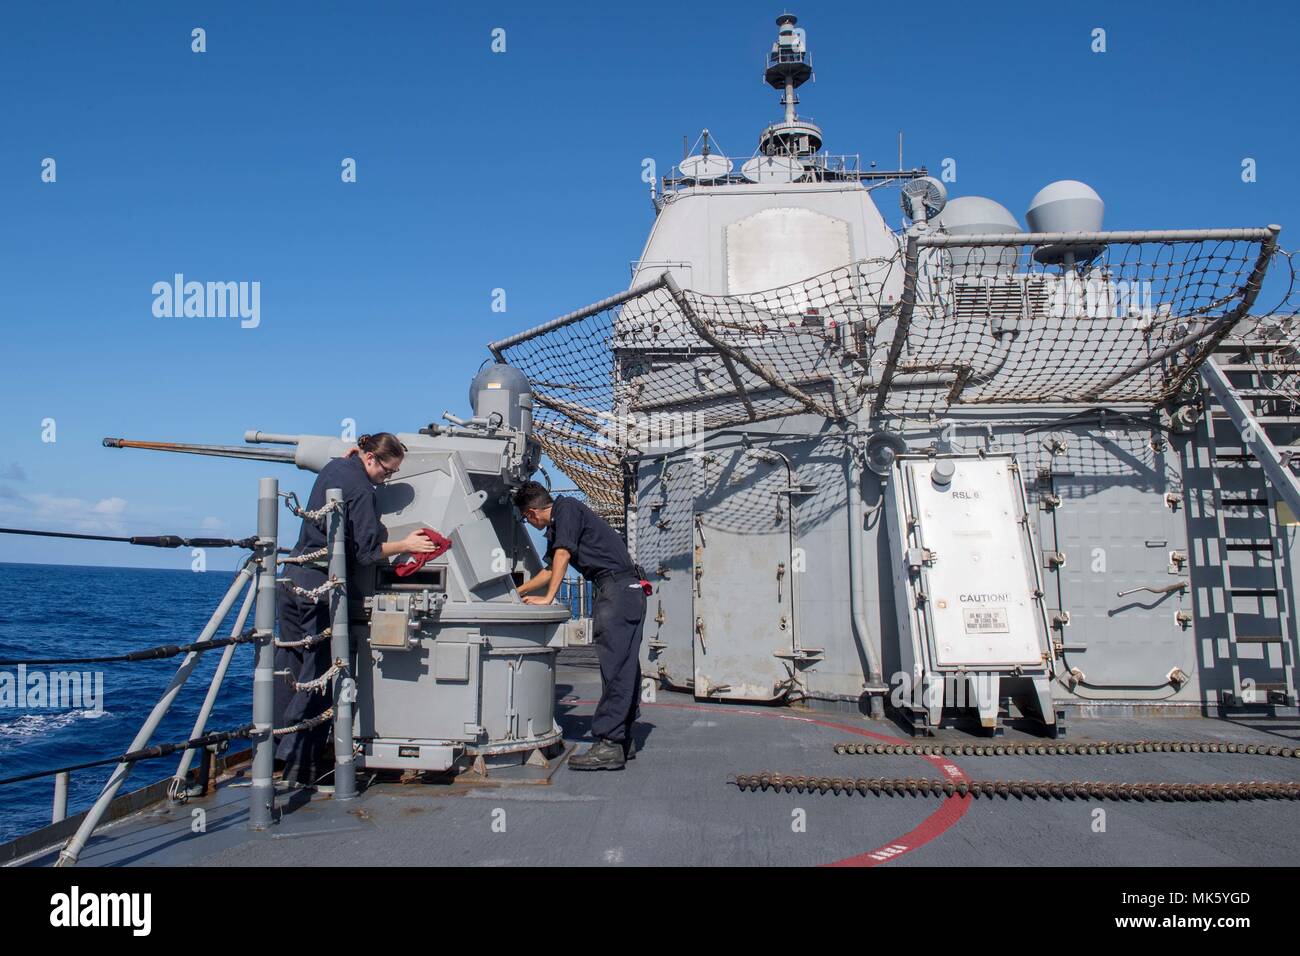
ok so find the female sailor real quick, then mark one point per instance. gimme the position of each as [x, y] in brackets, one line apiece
[304, 620]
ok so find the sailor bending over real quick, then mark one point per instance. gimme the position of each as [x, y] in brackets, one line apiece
[576, 535]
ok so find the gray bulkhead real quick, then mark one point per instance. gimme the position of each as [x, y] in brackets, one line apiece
[738, 614]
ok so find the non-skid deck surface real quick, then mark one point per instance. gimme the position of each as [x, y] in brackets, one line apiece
[675, 806]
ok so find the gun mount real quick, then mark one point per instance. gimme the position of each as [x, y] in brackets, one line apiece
[450, 663]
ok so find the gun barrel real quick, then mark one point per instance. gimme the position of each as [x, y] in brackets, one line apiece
[270, 438]
[217, 451]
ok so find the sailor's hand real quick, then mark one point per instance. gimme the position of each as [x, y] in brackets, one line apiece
[537, 599]
[416, 543]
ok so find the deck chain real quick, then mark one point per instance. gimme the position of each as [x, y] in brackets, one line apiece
[1062, 750]
[1033, 789]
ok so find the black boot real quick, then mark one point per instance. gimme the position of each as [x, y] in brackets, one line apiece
[603, 755]
[629, 749]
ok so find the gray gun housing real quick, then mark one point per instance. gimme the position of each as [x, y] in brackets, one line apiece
[451, 664]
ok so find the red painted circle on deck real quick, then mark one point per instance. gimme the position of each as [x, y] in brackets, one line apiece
[950, 810]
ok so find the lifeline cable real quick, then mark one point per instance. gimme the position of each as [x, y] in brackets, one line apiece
[161, 652]
[152, 541]
[145, 753]
[164, 750]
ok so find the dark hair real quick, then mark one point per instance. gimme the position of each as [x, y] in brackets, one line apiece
[532, 495]
[382, 445]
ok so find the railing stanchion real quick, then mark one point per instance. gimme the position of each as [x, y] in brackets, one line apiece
[214, 688]
[261, 811]
[345, 687]
[72, 851]
[60, 797]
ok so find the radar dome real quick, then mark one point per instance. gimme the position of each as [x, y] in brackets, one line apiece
[978, 215]
[1066, 206]
[504, 390]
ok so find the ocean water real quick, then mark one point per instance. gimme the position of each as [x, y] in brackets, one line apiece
[51, 611]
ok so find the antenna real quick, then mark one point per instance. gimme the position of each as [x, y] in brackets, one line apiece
[923, 198]
[789, 66]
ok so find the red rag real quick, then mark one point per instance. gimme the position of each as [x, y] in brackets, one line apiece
[440, 546]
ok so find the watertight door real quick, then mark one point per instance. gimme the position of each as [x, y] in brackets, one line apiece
[1116, 553]
[744, 591]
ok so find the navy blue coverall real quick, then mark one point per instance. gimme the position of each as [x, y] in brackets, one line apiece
[307, 754]
[617, 612]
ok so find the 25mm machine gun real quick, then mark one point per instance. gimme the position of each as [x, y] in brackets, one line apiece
[450, 664]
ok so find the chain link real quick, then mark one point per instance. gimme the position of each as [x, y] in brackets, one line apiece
[315, 517]
[307, 724]
[305, 558]
[317, 685]
[312, 594]
[1042, 789]
[307, 641]
[1063, 750]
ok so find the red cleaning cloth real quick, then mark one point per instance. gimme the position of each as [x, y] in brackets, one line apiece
[441, 545]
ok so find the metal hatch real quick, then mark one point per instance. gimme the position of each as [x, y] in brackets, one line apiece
[972, 622]
[744, 592]
[973, 575]
[1118, 564]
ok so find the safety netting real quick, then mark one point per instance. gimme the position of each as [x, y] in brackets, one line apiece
[946, 321]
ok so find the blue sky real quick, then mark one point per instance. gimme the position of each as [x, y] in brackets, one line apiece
[479, 170]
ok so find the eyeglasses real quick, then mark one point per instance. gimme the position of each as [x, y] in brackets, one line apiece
[388, 472]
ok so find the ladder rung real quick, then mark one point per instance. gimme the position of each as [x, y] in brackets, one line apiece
[1258, 345]
[1252, 367]
[1263, 419]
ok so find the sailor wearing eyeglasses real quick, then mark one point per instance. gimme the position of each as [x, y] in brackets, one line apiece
[306, 755]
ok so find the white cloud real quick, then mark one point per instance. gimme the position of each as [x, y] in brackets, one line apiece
[57, 513]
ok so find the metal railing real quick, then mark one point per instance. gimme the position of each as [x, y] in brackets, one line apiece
[777, 57]
[256, 580]
[575, 594]
[821, 167]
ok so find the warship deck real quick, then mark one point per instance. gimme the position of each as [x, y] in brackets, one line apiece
[675, 805]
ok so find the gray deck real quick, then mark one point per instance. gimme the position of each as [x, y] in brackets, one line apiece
[674, 805]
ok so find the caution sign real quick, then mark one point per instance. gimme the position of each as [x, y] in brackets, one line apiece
[986, 620]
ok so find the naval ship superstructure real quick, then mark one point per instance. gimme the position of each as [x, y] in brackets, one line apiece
[966, 466]
[973, 476]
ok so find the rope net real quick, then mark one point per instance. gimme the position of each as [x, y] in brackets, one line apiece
[1270, 344]
[1124, 321]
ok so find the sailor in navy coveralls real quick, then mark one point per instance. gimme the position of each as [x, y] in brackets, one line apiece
[306, 755]
[576, 535]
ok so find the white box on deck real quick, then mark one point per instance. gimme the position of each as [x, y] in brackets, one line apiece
[966, 563]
